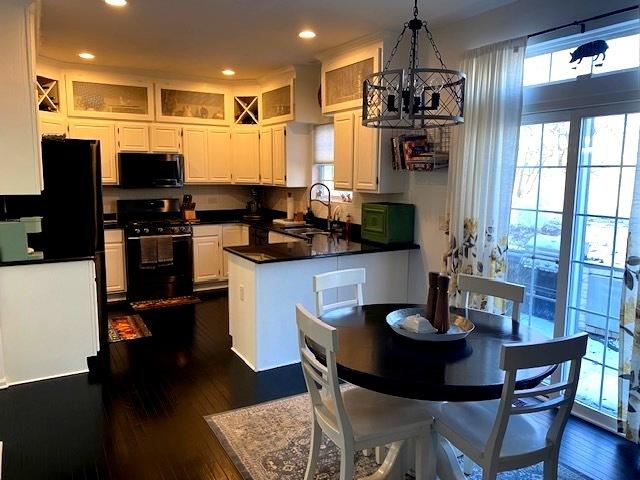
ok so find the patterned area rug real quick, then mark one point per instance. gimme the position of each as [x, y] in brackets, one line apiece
[270, 441]
[127, 327]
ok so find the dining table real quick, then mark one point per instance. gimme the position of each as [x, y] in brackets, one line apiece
[372, 355]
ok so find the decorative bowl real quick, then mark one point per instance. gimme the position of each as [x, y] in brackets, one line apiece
[459, 327]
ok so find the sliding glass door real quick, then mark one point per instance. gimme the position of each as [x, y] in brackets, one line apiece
[569, 222]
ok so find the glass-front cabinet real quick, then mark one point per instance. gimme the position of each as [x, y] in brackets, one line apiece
[342, 77]
[191, 104]
[101, 96]
[277, 103]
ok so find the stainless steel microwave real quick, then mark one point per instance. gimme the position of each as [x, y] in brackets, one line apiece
[150, 170]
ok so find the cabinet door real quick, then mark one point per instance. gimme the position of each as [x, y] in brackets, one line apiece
[266, 156]
[195, 155]
[365, 155]
[219, 155]
[105, 132]
[343, 151]
[206, 258]
[52, 124]
[115, 268]
[166, 138]
[232, 236]
[279, 155]
[132, 137]
[245, 154]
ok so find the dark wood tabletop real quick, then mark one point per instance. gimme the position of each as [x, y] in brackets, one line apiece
[371, 355]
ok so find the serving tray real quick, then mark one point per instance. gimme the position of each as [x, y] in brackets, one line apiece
[459, 328]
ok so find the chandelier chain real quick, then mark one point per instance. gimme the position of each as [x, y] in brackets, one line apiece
[433, 45]
[395, 48]
[415, 9]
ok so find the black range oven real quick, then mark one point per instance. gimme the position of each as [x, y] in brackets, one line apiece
[159, 249]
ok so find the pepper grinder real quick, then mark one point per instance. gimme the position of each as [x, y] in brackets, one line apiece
[432, 296]
[441, 320]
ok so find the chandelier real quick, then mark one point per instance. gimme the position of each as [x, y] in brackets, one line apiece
[413, 98]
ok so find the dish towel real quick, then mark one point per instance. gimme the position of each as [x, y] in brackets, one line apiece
[164, 250]
[148, 252]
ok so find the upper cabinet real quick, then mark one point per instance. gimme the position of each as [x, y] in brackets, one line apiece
[245, 156]
[106, 96]
[291, 95]
[132, 137]
[20, 162]
[361, 160]
[192, 103]
[343, 74]
[89, 129]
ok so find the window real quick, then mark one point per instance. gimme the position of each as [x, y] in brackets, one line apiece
[548, 62]
[323, 160]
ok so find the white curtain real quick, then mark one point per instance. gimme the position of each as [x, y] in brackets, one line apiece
[629, 378]
[483, 164]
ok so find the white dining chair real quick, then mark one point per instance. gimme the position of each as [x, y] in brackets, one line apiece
[485, 286]
[499, 436]
[355, 419]
[353, 277]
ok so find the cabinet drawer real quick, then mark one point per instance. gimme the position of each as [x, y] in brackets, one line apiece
[206, 230]
[113, 236]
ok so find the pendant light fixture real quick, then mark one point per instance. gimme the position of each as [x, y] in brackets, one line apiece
[413, 98]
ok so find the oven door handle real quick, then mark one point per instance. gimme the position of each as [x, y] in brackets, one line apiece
[183, 235]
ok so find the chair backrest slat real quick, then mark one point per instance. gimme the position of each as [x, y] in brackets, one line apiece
[321, 379]
[353, 277]
[515, 357]
[495, 288]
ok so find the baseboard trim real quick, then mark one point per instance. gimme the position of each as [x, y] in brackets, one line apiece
[49, 377]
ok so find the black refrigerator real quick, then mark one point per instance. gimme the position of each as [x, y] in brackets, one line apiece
[71, 209]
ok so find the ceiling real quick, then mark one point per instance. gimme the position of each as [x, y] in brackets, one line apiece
[201, 37]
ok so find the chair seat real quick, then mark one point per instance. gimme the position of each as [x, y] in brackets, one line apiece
[374, 415]
[473, 422]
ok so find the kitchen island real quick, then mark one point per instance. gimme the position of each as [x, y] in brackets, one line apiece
[266, 282]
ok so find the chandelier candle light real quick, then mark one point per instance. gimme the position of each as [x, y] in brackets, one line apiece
[413, 98]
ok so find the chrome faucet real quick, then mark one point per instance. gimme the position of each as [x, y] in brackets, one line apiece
[326, 204]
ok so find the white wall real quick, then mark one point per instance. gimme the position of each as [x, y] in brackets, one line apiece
[207, 197]
[428, 191]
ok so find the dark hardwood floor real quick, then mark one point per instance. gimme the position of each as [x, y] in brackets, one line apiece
[143, 419]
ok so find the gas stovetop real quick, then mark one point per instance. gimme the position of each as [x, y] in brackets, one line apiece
[170, 226]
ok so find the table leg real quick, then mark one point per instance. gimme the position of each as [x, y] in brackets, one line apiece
[447, 466]
[394, 466]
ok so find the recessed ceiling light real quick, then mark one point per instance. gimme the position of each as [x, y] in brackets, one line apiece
[307, 34]
[116, 3]
[87, 56]
[228, 72]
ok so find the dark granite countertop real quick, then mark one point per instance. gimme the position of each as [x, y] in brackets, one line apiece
[45, 260]
[209, 217]
[320, 246]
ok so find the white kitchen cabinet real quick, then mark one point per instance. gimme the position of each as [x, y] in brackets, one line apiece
[115, 261]
[343, 151]
[105, 132]
[344, 73]
[233, 235]
[219, 155]
[290, 95]
[245, 156]
[132, 137]
[286, 148]
[207, 265]
[362, 157]
[195, 155]
[166, 138]
[266, 156]
[52, 123]
[117, 97]
[20, 163]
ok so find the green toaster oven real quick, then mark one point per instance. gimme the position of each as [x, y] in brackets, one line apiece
[387, 222]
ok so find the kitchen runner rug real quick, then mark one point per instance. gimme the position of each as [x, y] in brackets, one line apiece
[164, 303]
[127, 327]
[270, 441]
